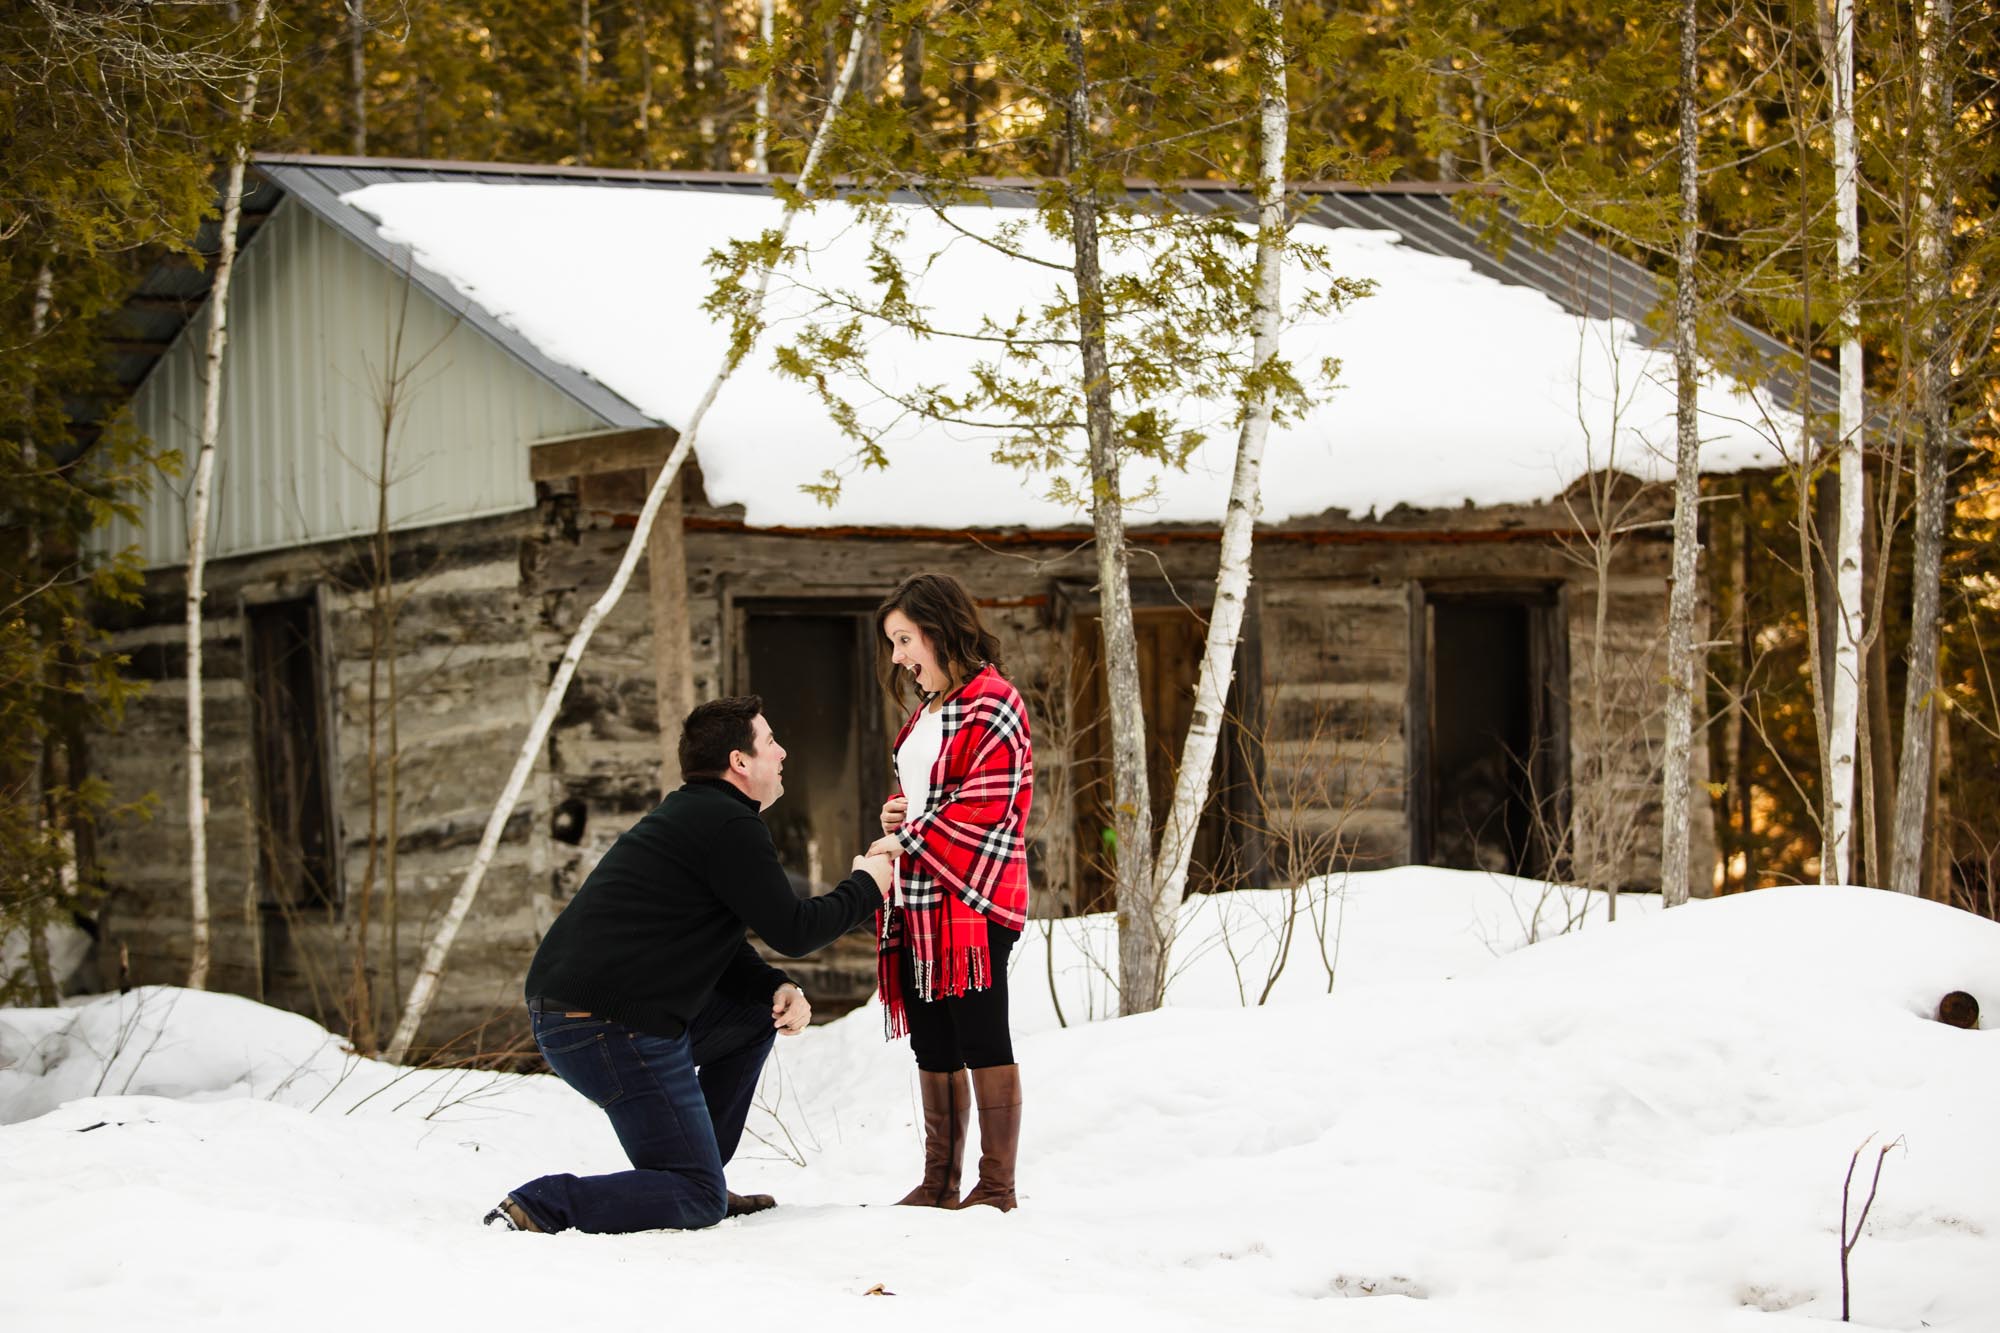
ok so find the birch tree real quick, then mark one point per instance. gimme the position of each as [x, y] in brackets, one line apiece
[199, 504]
[1843, 724]
[1232, 580]
[747, 329]
[1933, 105]
[1610, 118]
[1683, 660]
[1153, 311]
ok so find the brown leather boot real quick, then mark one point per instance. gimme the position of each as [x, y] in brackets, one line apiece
[997, 1093]
[947, 1115]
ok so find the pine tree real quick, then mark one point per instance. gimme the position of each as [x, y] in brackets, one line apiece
[104, 114]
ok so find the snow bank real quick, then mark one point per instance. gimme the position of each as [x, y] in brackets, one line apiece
[1411, 926]
[1639, 1125]
[198, 1046]
[1454, 387]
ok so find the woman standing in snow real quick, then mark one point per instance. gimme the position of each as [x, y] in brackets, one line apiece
[958, 832]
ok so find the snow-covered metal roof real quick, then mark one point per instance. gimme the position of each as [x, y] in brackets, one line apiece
[1583, 277]
[1467, 377]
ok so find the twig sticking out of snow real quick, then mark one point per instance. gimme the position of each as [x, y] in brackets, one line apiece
[1847, 1241]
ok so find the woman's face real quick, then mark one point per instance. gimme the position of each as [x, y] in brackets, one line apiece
[910, 649]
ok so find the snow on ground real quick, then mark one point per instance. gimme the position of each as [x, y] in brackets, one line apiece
[1454, 387]
[1635, 1125]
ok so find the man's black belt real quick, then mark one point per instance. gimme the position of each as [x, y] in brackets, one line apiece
[549, 1004]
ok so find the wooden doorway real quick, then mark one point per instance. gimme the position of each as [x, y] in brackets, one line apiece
[813, 661]
[814, 665]
[1170, 641]
[284, 651]
[1490, 736]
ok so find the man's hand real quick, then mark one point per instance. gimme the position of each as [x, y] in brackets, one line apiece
[790, 1010]
[894, 811]
[877, 868]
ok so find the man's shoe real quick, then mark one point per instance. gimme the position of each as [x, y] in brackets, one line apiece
[997, 1091]
[510, 1215]
[947, 1115]
[739, 1204]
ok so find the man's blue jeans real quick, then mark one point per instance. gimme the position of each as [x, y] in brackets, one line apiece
[677, 1125]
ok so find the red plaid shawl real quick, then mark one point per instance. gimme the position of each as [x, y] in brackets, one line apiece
[965, 857]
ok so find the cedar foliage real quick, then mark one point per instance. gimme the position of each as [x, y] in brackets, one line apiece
[106, 140]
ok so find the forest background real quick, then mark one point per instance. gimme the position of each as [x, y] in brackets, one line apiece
[116, 117]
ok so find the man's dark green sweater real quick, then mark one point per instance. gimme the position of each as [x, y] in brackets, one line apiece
[659, 925]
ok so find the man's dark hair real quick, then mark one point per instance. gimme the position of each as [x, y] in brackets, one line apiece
[715, 728]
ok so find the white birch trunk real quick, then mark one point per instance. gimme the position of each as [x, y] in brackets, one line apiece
[1837, 856]
[1683, 661]
[424, 989]
[1232, 577]
[1914, 768]
[204, 484]
[760, 146]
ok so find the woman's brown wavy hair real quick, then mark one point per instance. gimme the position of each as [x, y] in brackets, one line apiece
[939, 605]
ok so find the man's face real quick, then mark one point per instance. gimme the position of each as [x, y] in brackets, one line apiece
[760, 770]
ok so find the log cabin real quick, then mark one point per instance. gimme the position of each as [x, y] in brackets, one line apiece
[450, 386]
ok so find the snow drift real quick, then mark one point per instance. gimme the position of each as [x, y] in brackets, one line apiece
[1640, 1125]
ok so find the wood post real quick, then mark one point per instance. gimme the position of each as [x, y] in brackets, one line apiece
[673, 656]
[603, 455]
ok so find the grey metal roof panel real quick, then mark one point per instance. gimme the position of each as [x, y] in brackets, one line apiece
[319, 188]
[1576, 272]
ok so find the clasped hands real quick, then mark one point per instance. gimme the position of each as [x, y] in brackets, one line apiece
[790, 1011]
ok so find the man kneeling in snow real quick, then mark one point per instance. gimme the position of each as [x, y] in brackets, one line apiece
[647, 998]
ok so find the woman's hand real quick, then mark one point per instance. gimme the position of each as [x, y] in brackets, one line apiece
[886, 846]
[894, 811]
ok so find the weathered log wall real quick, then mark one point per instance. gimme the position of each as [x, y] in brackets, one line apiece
[470, 664]
[486, 607]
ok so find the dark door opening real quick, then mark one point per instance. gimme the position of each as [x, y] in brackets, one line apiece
[815, 673]
[813, 661]
[1490, 765]
[295, 860]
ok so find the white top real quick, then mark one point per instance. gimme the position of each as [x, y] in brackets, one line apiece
[916, 755]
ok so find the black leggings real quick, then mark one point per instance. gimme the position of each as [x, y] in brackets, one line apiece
[963, 1031]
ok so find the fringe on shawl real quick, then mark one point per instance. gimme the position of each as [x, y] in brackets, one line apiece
[962, 966]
